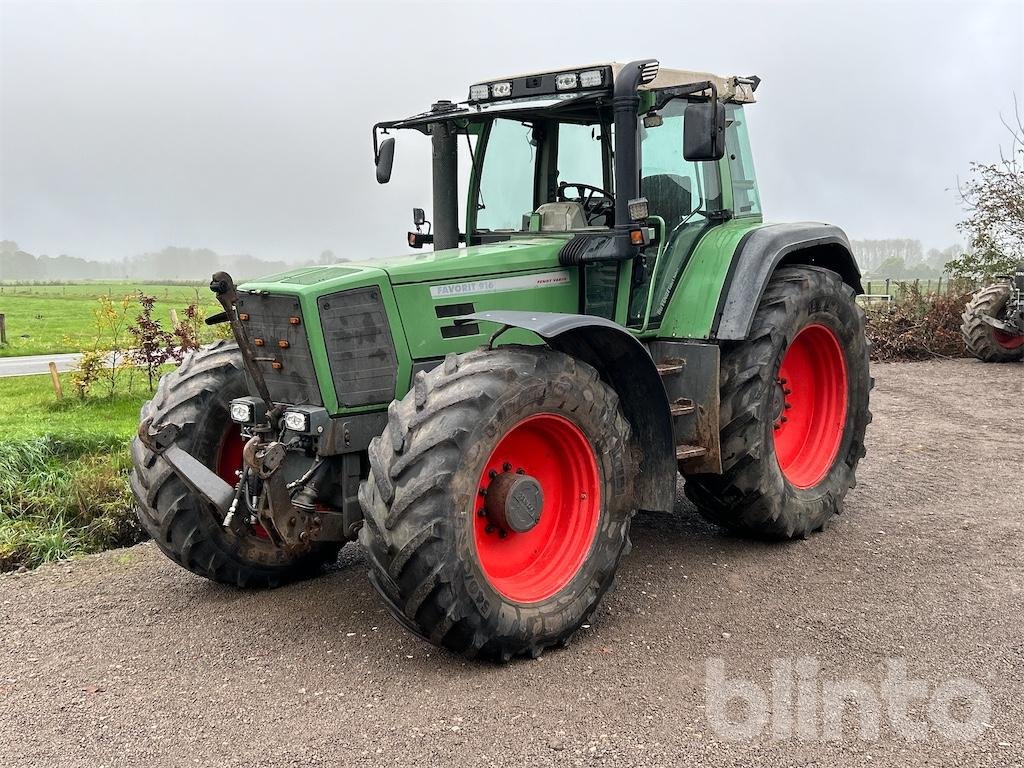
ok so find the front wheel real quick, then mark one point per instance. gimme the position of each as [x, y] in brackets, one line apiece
[499, 501]
[794, 410]
[195, 397]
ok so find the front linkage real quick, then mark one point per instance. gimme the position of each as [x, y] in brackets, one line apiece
[287, 511]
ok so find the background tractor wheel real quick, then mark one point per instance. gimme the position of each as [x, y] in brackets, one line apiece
[982, 340]
[185, 527]
[794, 409]
[499, 500]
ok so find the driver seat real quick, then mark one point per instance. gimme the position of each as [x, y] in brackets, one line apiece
[668, 195]
[563, 216]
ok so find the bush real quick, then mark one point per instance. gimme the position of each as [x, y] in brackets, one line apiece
[918, 326]
[63, 497]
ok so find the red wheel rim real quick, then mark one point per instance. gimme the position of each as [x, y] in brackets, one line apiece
[810, 406]
[229, 463]
[1007, 340]
[533, 565]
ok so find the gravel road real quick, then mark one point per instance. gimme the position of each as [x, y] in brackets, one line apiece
[125, 659]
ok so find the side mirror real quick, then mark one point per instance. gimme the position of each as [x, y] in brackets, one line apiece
[385, 159]
[704, 131]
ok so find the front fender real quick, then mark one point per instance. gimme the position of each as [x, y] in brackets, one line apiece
[627, 367]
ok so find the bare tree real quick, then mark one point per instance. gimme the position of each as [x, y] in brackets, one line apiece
[993, 198]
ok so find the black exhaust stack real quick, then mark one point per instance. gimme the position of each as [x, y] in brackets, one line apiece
[445, 164]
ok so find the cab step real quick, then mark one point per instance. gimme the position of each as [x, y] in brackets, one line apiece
[684, 452]
[669, 367]
[682, 406]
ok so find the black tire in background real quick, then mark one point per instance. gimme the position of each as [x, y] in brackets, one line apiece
[431, 548]
[980, 338]
[753, 495]
[185, 527]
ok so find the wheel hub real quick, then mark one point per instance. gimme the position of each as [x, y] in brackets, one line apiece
[514, 501]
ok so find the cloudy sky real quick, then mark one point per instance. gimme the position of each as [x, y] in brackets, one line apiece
[245, 127]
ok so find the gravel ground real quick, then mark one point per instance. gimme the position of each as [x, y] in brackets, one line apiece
[125, 659]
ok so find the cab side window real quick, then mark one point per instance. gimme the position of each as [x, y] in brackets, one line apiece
[675, 188]
[745, 199]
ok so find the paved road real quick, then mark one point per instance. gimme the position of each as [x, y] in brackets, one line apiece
[29, 364]
[125, 659]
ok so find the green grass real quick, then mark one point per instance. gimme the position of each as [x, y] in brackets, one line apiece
[64, 470]
[50, 319]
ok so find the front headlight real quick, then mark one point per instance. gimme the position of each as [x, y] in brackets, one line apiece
[247, 410]
[296, 421]
[242, 412]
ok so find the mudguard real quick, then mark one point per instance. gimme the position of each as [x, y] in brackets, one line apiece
[626, 365]
[762, 250]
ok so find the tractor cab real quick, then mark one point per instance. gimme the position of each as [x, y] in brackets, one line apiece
[630, 163]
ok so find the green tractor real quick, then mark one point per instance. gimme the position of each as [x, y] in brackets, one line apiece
[487, 418]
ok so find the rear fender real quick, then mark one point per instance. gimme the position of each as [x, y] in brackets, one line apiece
[627, 367]
[764, 249]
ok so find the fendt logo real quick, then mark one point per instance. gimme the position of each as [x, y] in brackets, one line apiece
[501, 284]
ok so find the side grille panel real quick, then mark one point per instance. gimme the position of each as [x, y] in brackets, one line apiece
[269, 320]
[362, 356]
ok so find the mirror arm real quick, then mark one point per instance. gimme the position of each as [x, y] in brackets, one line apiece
[376, 142]
[682, 92]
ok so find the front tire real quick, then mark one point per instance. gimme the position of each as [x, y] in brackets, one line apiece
[520, 570]
[185, 527]
[794, 410]
[982, 340]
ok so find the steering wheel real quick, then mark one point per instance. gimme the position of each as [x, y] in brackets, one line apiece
[596, 202]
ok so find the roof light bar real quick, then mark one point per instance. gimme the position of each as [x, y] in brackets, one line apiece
[546, 84]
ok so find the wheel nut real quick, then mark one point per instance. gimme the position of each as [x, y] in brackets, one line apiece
[489, 529]
[502, 533]
[506, 467]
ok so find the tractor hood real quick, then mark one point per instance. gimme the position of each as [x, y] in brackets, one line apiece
[510, 256]
[518, 255]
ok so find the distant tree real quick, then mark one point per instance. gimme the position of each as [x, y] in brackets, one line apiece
[327, 257]
[993, 198]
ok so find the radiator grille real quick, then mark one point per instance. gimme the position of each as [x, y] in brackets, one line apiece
[359, 346]
[269, 320]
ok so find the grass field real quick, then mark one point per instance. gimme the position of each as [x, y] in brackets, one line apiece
[64, 470]
[45, 319]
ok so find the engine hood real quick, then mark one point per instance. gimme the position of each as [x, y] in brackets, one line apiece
[518, 255]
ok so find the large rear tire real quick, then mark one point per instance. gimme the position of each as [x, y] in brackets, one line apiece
[499, 501]
[794, 410]
[982, 340]
[185, 527]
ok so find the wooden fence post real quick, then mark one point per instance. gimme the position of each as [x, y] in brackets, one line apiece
[57, 389]
[887, 286]
[3, 328]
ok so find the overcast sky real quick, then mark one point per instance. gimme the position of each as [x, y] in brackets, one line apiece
[245, 127]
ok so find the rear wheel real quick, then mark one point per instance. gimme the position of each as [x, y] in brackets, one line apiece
[982, 340]
[794, 410]
[499, 500]
[185, 527]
